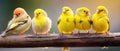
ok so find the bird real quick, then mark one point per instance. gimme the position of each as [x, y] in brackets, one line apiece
[100, 21]
[19, 24]
[41, 23]
[66, 22]
[82, 20]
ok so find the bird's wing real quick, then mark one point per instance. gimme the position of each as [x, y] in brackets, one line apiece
[58, 21]
[12, 26]
[107, 19]
[90, 21]
[74, 21]
[16, 25]
[108, 24]
[10, 22]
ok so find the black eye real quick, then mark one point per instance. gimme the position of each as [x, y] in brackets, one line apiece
[84, 11]
[101, 10]
[18, 13]
[38, 13]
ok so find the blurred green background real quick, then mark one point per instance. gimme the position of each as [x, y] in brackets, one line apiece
[53, 9]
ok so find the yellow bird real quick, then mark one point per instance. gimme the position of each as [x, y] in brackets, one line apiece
[41, 23]
[101, 21]
[82, 19]
[20, 22]
[66, 24]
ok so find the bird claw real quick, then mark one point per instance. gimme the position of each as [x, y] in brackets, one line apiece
[88, 34]
[108, 33]
[60, 37]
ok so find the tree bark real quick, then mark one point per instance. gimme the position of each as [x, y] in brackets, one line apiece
[54, 40]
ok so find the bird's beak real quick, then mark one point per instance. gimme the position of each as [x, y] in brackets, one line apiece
[16, 15]
[36, 15]
[98, 11]
[64, 11]
[87, 13]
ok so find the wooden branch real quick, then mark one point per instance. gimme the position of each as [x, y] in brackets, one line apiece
[55, 41]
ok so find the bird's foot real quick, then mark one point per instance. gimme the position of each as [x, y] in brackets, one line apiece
[88, 34]
[47, 34]
[36, 35]
[107, 33]
[96, 33]
[79, 33]
[60, 36]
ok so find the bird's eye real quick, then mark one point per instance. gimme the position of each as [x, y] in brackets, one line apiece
[101, 10]
[19, 13]
[38, 13]
[84, 11]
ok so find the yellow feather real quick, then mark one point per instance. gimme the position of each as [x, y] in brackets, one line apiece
[40, 21]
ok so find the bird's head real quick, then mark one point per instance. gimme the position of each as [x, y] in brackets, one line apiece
[40, 12]
[18, 12]
[83, 11]
[102, 9]
[67, 10]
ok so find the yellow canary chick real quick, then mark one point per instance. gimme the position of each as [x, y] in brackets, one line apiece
[20, 22]
[82, 19]
[41, 23]
[101, 21]
[66, 24]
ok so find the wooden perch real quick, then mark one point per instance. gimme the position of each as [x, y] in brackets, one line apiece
[66, 41]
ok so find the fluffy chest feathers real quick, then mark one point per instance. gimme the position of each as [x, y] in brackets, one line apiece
[82, 23]
[40, 21]
[82, 18]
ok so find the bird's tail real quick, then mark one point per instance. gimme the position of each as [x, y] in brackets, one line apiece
[66, 49]
[3, 34]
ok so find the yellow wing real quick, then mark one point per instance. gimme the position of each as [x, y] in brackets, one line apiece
[108, 22]
[58, 21]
